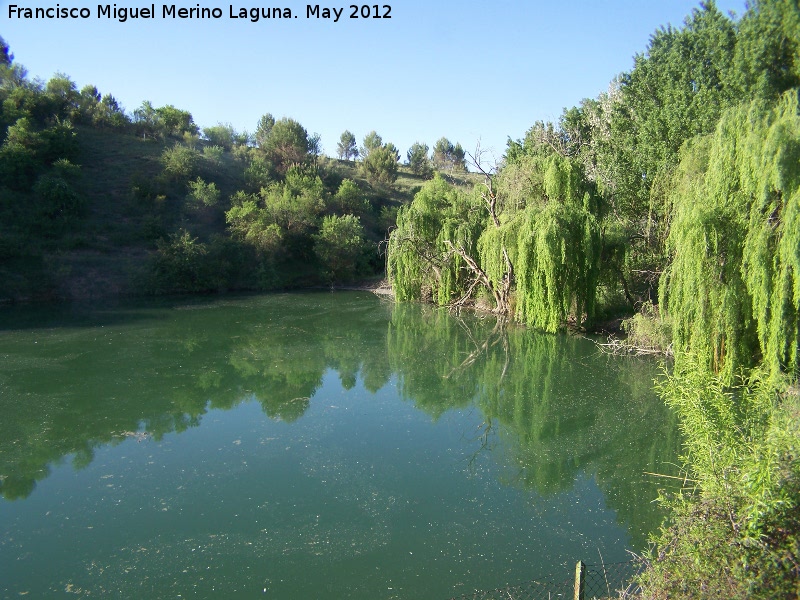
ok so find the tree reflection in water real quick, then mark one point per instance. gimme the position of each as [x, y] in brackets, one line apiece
[552, 407]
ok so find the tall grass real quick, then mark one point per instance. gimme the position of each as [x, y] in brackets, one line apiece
[734, 529]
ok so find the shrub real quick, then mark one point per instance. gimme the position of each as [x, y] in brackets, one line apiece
[180, 162]
[223, 136]
[380, 165]
[202, 193]
[60, 141]
[213, 154]
[349, 199]
[178, 265]
[735, 533]
[57, 200]
[648, 331]
[340, 247]
[18, 167]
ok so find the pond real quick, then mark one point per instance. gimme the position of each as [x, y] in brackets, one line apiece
[314, 445]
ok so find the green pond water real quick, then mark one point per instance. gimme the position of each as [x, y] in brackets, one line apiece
[318, 445]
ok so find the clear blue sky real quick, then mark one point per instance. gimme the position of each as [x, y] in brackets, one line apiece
[467, 70]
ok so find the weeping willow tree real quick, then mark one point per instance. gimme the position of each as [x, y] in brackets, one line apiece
[733, 286]
[535, 229]
[449, 246]
[771, 264]
[732, 291]
[553, 240]
[436, 236]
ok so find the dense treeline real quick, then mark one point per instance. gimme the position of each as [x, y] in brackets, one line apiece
[575, 221]
[95, 200]
[674, 195]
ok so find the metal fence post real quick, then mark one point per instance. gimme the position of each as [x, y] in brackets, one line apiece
[580, 580]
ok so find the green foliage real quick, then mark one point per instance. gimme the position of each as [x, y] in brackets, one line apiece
[263, 129]
[222, 135]
[202, 193]
[675, 91]
[545, 229]
[349, 199]
[676, 166]
[179, 265]
[27, 101]
[552, 235]
[190, 140]
[733, 287]
[380, 165]
[277, 223]
[22, 134]
[57, 200]
[166, 121]
[26, 151]
[418, 160]
[213, 154]
[260, 172]
[286, 144]
[648, 331]
[735, 534]
[770, 175]
[175, 122]
[59, 141]
[447, 157]
[346, 147]
[19, 160]
[250, 222]
[145, 120]
[628, 139]
[340, 247]
[372, 141]
[269, 239]
[11, 75]
[67, 170]
[393, 150]
[298, 202]
[315, 147]
[180, 162]
[242, 152]
[88, 98]
[767, 57]
[63, 94]
[100, 111]
[732, 293]
[421, 262]
[557, 266]
[492, 242]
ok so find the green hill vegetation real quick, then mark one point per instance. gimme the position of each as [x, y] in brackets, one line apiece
[95, 201]
[672, 198]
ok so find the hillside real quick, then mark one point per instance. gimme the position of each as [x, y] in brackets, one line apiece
[130, 203]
